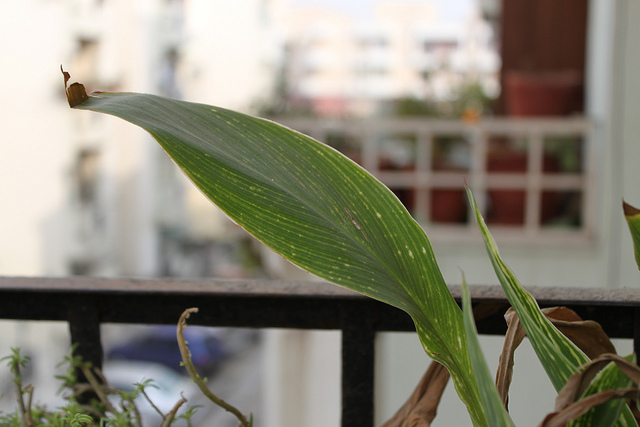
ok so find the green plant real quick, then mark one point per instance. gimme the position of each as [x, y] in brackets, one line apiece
[326, 214]
[108, 406]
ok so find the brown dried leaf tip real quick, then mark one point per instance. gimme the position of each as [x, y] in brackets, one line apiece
[629, 210]
[76, 93]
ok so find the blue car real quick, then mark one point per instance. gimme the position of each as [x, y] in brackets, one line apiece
[160, 345]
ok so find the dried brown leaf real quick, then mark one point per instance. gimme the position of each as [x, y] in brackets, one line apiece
[579, 381]
[586, 334]
[574, 410]
[512, 339]
[421, 407]
[76, 93]
[629, 210]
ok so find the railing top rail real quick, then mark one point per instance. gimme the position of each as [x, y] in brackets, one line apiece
[281, 288]
[208, 286]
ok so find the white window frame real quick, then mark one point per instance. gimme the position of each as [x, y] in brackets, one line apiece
[478, 178]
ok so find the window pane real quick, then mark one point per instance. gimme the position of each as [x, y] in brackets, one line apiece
[506, 207]
[448, 206]
[507, 154]
[563, 154]
[561, 209]
[397, 152]
[450, 153]
[347, 144]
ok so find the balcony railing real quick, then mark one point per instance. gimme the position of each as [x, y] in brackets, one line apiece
[532, 177]
[85, 303]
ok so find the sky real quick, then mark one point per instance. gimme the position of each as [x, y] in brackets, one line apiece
[448, 10]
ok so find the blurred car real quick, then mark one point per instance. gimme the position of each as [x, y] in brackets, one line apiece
[159, 345]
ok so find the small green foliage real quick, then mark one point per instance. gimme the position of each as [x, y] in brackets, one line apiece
[15, 362]
[78, 420]
[188, 414]
[98, 412]
[73, 363]
[15, 359]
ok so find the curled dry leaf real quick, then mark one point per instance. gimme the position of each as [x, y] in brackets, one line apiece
[581, 407]
[421, 407]
[579, 382]
[586, 334]
[512, 339]
[629, 210]
[76, 93]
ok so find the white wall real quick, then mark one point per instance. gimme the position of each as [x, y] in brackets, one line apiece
[230, 52]
[34, 148]
[39, 140]
[625, 131]
[34, 159]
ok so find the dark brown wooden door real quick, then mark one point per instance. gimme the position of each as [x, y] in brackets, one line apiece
[544, 39]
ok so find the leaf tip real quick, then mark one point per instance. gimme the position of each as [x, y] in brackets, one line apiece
[629, 210]
[76, 93]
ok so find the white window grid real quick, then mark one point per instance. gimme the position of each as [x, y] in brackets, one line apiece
[423, 178]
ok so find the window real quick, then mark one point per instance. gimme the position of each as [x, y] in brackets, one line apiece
[86, 173]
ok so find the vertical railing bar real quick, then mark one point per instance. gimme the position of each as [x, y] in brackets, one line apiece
[358, 358]
[84, 327]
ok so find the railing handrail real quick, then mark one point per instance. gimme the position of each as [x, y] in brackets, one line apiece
[112, 294]
[290, 288]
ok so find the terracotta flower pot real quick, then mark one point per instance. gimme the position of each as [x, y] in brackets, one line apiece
[544, 94]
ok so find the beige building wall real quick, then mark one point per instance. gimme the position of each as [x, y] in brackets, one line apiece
[405, 51]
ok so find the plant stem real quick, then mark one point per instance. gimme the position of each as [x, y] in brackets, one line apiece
[193, 373]
[167, 420]
[17, 380]
[97, 388]
[153, 405]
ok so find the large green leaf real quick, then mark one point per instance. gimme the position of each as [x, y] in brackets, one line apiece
[558, 355]
[313, 206]
[494, 408]
[632, 215]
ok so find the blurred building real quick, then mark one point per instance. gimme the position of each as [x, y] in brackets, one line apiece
[337, 65]
[134, 213]
[87, 194]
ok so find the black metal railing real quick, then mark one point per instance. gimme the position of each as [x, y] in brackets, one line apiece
[85, 303]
